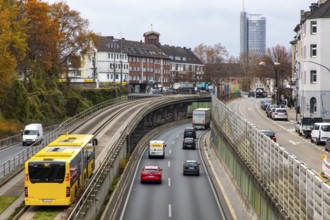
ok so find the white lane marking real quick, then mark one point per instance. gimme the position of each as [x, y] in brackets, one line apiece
[170, 151]
[169, 210]
[294, 143]
[169, 181]
[173, 142]
[168, 163]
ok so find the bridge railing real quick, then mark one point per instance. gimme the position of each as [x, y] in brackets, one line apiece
[299, 192]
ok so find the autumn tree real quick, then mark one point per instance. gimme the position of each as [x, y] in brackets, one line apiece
[12, 40]
[37, 43]
[74, 38]
[42, 39]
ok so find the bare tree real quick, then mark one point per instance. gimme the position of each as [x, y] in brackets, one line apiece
[211, 54]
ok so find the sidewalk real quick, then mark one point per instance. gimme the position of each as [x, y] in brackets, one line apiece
[292, 115]
[234, 205]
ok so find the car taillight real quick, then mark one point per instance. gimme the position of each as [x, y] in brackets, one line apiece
[197, 167]
[26, 191]
[67, 192]
[185, 167]
[274, 139]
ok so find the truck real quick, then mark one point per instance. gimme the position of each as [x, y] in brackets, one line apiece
[201, 118]
[33, 133]
[305, 125]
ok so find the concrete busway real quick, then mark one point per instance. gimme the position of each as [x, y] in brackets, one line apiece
[293, 189]
[10, 167]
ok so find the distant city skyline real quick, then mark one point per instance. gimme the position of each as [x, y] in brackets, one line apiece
[188, 23]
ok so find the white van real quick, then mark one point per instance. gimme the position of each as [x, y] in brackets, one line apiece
[320, 132]
[156, 148]
[32, 133]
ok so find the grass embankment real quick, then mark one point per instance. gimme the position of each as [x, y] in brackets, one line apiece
[46, 214]
[6, 201]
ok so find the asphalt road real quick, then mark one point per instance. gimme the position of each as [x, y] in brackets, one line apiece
[178, 197]
[302, 148]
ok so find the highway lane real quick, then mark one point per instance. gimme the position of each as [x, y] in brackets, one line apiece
[178, 197]
[302, 148]
[9, 152]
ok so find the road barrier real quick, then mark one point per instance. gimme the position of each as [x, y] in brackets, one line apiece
[295, 189]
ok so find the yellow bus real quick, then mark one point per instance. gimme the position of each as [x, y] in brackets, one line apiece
[54, 175]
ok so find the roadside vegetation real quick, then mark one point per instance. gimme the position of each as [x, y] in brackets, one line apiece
[6, 201]
[39, 43]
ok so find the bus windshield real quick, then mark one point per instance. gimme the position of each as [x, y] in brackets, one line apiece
[46, 172]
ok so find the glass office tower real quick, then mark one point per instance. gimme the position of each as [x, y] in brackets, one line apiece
[253, 33]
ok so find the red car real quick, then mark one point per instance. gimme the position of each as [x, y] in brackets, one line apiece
[151, 174]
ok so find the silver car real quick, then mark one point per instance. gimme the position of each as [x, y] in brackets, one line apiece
[280, 114]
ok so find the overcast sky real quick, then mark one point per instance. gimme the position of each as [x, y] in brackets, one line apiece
[188, 23]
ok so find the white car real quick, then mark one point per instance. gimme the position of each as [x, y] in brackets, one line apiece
[320, 132]
[280, 114]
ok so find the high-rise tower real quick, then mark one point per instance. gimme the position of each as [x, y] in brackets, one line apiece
[253, 33]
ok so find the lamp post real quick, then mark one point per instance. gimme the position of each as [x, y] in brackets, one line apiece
[121, 73]
[121, 63]
[114, 62]
[274, 65]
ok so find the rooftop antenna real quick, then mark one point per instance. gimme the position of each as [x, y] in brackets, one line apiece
[243, 5]
[151, 27]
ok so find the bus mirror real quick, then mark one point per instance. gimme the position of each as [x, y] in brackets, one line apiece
[95, 142]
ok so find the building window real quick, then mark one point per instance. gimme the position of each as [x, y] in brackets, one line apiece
[313, 27]
[313, 76]
[313, 50]
[313, 105]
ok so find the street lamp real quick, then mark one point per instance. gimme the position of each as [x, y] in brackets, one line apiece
[121, 63]
[274, 65]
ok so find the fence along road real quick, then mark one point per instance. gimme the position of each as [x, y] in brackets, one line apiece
[298, 191]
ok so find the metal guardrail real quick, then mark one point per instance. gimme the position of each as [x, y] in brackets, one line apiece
[296, 189]
[15, 139]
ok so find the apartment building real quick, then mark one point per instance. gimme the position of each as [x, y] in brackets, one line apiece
[310, 50]
[140, 64]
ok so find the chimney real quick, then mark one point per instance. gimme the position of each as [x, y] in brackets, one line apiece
[313, 7]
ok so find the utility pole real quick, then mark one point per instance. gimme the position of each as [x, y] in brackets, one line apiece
[94, 67]
[114, 62]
